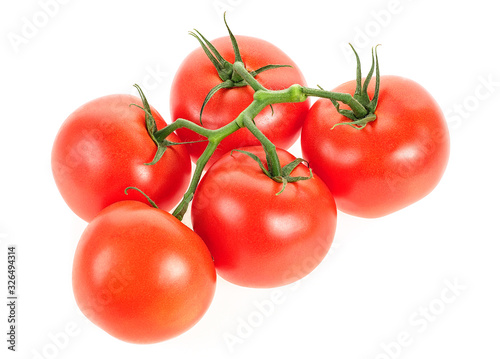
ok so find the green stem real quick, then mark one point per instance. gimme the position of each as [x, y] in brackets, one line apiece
[182, 207]
[359, 110]
[182, 123]
[239, 67]
[302, 93]
[273, 161]
[262, 98]
[214, 138]
[294, 93]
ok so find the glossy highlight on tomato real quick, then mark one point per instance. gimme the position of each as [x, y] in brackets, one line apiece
[141, 275]
[103, 147]
[196, 76]
[391, 163]
[258, 238]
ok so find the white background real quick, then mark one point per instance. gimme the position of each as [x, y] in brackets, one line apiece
[381, 274]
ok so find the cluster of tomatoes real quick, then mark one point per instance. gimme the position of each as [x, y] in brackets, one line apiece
[142, 275]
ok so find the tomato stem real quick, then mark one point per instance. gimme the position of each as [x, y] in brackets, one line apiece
[357, 108]
[273, 161]
[263, 97]
[182, 207]
[151, 202]
[182, 123]
[284, 175]
[360, 120]
[236, 75]
[239, 67]
[229, 76]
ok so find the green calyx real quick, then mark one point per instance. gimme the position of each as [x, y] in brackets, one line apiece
[361, 95]
[228, 75]
[285, 176]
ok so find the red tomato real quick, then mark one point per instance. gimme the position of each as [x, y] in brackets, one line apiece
[102, 148]
[141, 275]
[197, 76]
[393, 162]
[258, 238]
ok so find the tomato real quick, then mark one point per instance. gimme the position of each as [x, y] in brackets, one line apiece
[393, 162]
[102, 148]
[141, 275]
[196, 76]
[258, 238]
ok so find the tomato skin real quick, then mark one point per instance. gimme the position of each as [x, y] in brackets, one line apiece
[102, 148]
[258, 239]
[393, 162]
[196, 76]
[141, 275]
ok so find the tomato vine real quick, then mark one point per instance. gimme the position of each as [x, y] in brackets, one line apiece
[361, 111]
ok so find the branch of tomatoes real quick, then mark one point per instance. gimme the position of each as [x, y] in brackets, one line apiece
[368, 173]
[361, 112]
